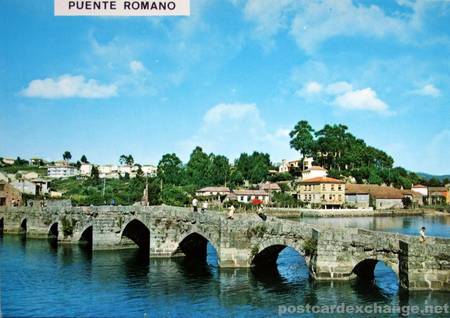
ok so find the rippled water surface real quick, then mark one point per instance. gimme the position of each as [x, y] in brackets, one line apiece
[39, 279]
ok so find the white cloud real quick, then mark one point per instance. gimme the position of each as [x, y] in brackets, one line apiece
[268, 21]
[68, 86]
[364, 99]
[231, 129]
[136, 66]
[310, 88]
[339, 88]
[317, 22]
[428, 90]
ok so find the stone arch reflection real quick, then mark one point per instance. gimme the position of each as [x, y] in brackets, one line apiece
[198, 247]
[87, 236]
[377, 277]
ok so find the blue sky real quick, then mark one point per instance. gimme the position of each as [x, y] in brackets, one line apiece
[234, 76]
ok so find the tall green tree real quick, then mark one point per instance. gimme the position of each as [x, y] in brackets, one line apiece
[170, 169]
[219, 170]
[126, 160]
[197, 168]
[302, 138]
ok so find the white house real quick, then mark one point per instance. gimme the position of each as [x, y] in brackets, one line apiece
[149, 170]
[286, 166]
[213, 191]
[246, 196]
[423, 190]
[62, 171]
[108, 172]
[314, 172]
[86, 169]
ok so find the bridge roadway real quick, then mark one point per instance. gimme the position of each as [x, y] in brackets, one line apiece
[331, 253]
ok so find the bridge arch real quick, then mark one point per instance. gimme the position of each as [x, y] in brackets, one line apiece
[138, 232]
[87, 235]
[265, 254]
[53, 230]
[194, 245]
[365, 268]
[23, 225]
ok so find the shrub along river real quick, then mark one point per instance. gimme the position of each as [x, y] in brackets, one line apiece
[41, 279]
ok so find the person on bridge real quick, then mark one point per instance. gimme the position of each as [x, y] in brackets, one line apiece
[195, 204]
[231, 212]
[422, 234]
[204, 206]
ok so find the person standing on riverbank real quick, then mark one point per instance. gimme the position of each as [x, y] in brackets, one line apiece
[204, 206]
[422, 234]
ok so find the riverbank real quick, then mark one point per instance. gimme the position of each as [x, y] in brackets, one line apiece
[294, 213]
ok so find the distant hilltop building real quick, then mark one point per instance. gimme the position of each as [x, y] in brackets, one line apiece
[287, 166]
[62, 171]
[314, 172]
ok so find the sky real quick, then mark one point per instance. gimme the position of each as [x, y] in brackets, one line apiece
[235, 76]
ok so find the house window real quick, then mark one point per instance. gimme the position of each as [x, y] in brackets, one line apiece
[323, 187]
[2, 187]
[2, 201]
[339, 187]
[332, 187]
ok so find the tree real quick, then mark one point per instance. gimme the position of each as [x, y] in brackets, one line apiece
[95, 174]
[302, 138]
[67, 155]
[84, 159]
[197, 168]
[170, 169]
[126, 160]
[219, 170]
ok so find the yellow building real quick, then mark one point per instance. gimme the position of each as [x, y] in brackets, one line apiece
[322, 192]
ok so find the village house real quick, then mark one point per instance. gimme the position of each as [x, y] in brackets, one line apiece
[86, 169]
[423, 190]
[323, 192]
[381, 197]
[438, 195]
[37, 161]
[9, 196]
[149, 170]
[213, 191]
[269, 187]
[416, 198]
[247, 196]
[357, 196]
[108, 172]
[28, 175]
[314, 172]
[59, 172]
[287, 166]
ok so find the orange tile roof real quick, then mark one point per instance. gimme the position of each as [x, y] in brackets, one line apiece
[419, 186]
[322, 180]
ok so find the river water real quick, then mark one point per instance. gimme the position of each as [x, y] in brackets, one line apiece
[40, 279]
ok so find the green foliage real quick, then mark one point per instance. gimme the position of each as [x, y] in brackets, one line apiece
[84, 159]
[310, 247]
[174, 195]
[67, 155]
[90, 191]
[126, 160]
[254, 168]
[170, 169]
[302, 138]
[68, 226]
[281, 199]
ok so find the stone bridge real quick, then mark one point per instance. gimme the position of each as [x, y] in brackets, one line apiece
[331, 253]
